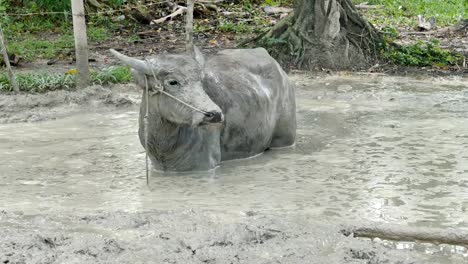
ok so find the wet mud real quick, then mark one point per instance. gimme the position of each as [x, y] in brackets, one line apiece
[190, 237]
[370, 150]
[61, 103]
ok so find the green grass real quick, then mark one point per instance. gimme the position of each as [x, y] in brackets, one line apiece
[113, 74]
[404, 12]
[197, 27]
[44, 82]
[31, 47]
[97, 34]
[240, 27]
[401, 13]
[422, 54]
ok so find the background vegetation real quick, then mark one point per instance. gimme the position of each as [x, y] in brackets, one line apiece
[44, 82]
[50, 36]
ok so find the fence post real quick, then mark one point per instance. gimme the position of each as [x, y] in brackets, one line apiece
[4, 52]
[81, 43]
[189, 26]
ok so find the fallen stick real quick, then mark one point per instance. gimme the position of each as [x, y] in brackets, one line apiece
[179, 11]
[411, 234]
[367, 7]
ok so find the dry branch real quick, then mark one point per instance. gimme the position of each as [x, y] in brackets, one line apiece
[366, 6]
[412, 234]
[179, 11]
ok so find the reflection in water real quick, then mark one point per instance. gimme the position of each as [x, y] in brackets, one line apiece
[379, 149]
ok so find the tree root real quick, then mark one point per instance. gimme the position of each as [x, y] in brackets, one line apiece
[323, 35]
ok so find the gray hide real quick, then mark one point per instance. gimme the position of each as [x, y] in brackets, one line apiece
[248, 100]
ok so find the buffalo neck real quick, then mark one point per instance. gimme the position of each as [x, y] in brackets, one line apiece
[174, 147]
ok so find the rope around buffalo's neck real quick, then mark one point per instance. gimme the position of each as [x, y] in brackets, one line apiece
[145, 121]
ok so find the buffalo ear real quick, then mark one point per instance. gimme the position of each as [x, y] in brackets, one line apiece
[138, 78]
[198, 56]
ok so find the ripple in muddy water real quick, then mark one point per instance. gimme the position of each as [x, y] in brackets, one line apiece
[375, 149]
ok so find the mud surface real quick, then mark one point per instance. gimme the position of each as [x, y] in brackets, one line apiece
[370, 150]
[55, 104]
[190, 237]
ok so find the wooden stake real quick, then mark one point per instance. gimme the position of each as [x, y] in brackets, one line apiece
[3, 50]
[189, 26]
[81, 43]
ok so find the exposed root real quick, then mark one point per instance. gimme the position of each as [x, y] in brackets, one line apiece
[323, 35]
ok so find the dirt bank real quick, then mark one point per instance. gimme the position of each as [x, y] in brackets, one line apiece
[188, 237]
[56, 104]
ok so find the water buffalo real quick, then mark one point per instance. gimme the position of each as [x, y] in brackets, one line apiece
[242, 103]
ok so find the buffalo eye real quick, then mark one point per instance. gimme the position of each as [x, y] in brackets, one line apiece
[173, 82]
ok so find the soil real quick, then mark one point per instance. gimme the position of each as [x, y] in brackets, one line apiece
[77, 194]
[56, 104]
[188, 236]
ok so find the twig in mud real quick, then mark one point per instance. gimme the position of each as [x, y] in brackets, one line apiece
[412, 234]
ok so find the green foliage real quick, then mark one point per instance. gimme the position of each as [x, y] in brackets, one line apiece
[44, 82]
[49, 5]
[30, 47]
[197, 27]
[271, 42]
[38, 83]
[116, 3]
[404, 12]
[389, 33]
[240, 27]
[113, 74]
[421, 54]
[97, 34]
[133, 38]
[278, 2]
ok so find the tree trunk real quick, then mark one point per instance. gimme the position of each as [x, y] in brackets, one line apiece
[323, 34]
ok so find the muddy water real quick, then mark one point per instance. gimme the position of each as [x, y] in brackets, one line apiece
[369, 149]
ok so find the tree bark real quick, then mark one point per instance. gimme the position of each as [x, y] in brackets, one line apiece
[323, 34]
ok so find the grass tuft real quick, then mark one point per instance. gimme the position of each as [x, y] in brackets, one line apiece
[395, 13]
[422, 54]
[45, 82]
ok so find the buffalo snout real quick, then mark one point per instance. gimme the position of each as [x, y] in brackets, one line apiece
[213, 117]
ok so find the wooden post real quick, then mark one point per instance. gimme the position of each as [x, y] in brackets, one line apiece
[4, 52]
[81, 43]
[189, 26]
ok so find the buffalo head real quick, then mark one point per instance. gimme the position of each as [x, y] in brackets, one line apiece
[181, 76]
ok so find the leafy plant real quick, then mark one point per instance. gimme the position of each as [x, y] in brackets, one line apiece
[422, 54]
[31, 47]
[228, 26]
[389, 33]
[197, 27]
[98, 34]
[50, 5]
[44, 82]
[404, 12]
[113, 74]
